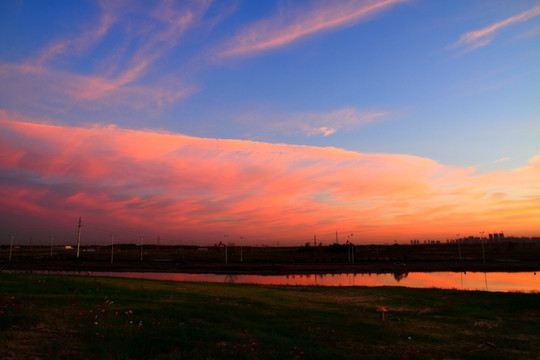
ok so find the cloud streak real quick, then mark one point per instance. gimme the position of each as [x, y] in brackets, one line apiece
[195, 188]
[76, 46]
[482, 37]
[329, 123]
[124, 76]
[312, 123]
[293, 24]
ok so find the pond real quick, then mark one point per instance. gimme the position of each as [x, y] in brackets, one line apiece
[491, 281]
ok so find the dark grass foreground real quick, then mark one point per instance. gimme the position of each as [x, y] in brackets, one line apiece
[63, 317]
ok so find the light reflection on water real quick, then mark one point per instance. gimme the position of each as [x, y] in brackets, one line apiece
[493, 281]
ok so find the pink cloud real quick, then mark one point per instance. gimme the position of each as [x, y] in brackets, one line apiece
[503, 159]
[289, 26]
[53, 90]
[482, 37]
[76, 46]
[119, 79]
[324, 130]
[312, 123]
[177, 184]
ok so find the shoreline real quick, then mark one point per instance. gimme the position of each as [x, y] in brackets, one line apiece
[269, 268]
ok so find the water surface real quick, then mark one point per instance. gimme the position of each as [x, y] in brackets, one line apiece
[492, 281]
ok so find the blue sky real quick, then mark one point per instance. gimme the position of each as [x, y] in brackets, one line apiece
[438, 97]
[455, 82]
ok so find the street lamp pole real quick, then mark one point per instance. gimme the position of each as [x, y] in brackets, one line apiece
[10, 246]
[142, 241]
[52, 241]
[459, 248]
[226, 243]
[483, 252]
[352, 249]
[112, 248]
[241, 240]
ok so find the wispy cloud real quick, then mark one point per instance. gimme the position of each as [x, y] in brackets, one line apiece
[47, 90]
[293, 24]
[77, 45]
[175, 184]
[535, 160]
[482, 37]
[503, 159]
[313, 123]
[119, 77]
[343, 119]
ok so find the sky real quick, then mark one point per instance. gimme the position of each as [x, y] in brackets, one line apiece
[269, 122]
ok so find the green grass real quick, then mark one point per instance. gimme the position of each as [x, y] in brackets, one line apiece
[64, 317]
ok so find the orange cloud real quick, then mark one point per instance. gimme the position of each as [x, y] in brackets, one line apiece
[290, 26]
[186, 187]
[483, 37]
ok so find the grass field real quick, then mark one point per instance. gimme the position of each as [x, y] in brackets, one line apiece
[64, 317]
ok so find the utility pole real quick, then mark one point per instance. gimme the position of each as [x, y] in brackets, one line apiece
[241, 240]
[11, 237]
[482, 241]
[52, 241]
[226, 246]
[78, 237]
[142, 239]
[352, 249]
[112, 248]
[459, 248]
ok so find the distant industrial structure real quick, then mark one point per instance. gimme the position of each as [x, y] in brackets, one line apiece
[491, 238]
[496, 237]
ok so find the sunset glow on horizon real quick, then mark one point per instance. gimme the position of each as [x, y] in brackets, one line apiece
[269, 122]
